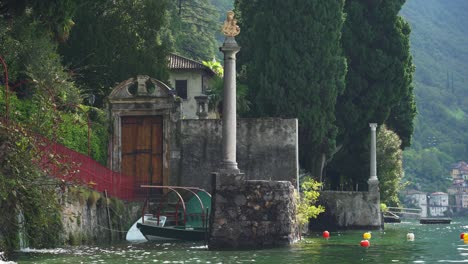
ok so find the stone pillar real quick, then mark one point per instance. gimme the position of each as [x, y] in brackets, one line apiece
[374, 193]
[202, 102]
[229, 163]
[373, 153]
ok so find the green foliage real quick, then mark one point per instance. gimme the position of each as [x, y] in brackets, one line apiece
[73, 132]
[294, 67]
[26, 188]
[389, 166]
[217, 89]
[427, 169]
[116, 40]
[383, 207]
[55, 16]
[438, 43]
[215, 66]
[306, 208]
[192, 27]
[378, 84]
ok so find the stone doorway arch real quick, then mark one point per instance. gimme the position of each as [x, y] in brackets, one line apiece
[144, 112]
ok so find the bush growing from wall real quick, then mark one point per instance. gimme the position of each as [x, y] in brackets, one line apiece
[306, 202]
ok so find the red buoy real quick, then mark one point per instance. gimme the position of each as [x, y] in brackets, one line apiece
[365, 243]
[326, 234]
[462, 235]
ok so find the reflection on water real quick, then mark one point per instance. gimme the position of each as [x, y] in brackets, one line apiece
[432, 244]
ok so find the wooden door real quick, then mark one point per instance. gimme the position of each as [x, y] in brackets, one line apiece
[142, 149]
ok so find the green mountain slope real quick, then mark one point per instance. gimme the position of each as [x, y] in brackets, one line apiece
[439, 44]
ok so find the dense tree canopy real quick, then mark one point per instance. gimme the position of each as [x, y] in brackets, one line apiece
[115, 40]
[295, 67]
[192, 29]
[378, 84]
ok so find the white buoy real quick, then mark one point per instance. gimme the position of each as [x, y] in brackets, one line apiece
[410, 237]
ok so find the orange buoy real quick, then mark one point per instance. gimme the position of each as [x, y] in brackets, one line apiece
[367, 235]
[326, 234]
[462, 236]
[365, 243]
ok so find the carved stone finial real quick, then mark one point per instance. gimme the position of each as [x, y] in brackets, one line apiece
[230, 27]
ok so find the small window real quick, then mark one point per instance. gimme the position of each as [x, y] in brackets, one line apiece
[181, 88]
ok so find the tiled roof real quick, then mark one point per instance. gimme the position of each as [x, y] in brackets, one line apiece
[177, 62]
[460, 165]
[438, 193]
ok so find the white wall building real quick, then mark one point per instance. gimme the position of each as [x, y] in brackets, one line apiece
[418, 199]
[438, 203]
[190, 79]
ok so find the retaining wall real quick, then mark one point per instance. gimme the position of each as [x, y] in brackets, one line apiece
[348, 210]
[267, 149]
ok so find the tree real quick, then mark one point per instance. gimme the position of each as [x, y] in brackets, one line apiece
[56, 15]
[294, 68]
[115, 40]
[192, 27]
[389, 166]
[378, 84]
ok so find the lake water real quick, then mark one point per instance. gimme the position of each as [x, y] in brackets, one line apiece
[432, 244]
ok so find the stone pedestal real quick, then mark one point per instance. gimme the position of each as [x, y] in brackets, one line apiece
[251, 214]
[373, 187]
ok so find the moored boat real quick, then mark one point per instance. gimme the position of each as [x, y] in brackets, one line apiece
[185, 214]
[435, 220]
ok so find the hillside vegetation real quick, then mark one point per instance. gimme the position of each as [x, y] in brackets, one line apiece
[439, 41]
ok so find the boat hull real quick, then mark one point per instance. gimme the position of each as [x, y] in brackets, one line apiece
[435, 220]
[391, 219]
[152, 232]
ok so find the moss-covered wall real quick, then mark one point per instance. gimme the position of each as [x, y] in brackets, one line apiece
[89, 217]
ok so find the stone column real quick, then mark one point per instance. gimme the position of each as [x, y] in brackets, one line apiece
[373, 181]
[229, 163]
[373, 153]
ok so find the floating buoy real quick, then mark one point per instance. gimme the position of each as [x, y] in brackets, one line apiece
[465, 239]
[462, 236]
[367, 235]
[326, 234]
[365, 243]
[410, 237]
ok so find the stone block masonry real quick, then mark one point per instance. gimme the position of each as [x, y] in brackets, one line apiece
[267, 149]
[252, 214]
[348, 210]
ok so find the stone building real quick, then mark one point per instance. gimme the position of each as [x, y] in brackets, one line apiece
[191, 80]
[438, 203]
[415, 198]
[459, 187]
[152, 143]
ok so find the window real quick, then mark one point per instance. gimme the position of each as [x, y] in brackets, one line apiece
[181, 88]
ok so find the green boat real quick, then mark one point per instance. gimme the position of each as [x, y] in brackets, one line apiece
[176, 213]
[153, 233]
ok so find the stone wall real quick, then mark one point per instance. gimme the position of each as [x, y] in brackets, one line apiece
[89, 218]
[252, 214]
[267, 149]
[348, 210]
